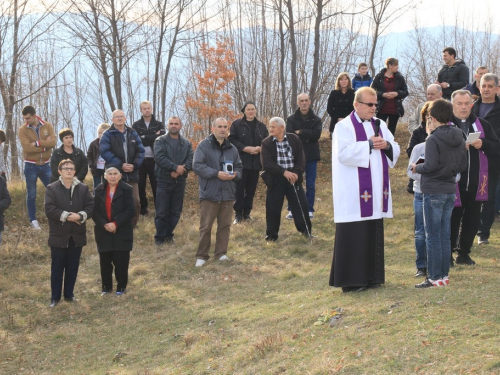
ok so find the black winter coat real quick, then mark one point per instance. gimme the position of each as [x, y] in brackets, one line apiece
[445, 156]
[93, 156]
[269, 156]
[401, 88]
[58, 204]
[456, 75]
[340, 105]
[166, 161]
[310, 132]
[78, 157]
[418, 136]
[469, 179]
[148, 135]
[122, 212]
[5, 201]
[241, 136]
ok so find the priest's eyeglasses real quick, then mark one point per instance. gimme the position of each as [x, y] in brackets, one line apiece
[369, 104]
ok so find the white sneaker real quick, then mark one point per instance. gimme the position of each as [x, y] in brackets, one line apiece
[289, 216]
[34, 225]
[224, 257]
[311, 215]
[200, 262]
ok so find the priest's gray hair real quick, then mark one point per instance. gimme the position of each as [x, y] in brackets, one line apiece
[490, 77]
[461, 93]
[278, 121]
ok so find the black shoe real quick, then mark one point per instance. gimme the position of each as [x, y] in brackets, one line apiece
[482, 241]
[53, 303]
[425, 284]
[374, 286]
[464, 259]
[271, 239]
[246, 215]
[144, 212]
[421, 272]
[353, 289]
[70, 299]
[238, 217]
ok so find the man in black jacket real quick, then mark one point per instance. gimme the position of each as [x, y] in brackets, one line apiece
[488, 107]
[283, 162]
[307, 126]
[482, 171]
[454, 74]
[174, 159]
[148, 129]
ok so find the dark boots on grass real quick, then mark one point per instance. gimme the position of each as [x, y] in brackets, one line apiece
[239, 216]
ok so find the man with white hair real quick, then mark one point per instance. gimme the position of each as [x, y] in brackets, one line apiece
[434, 91]
[283, 161]
[363, 150]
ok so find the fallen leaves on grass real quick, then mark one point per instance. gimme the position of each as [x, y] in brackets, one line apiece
[330, 317]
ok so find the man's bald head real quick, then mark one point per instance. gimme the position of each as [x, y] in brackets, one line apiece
[434, 91]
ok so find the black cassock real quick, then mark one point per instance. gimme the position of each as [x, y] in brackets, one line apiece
[358, 254]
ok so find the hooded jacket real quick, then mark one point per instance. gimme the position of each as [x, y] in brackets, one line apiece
[59, 204]
[401, 89]
[112, 151]
[208, 162]
[445, 156]
[456, 75]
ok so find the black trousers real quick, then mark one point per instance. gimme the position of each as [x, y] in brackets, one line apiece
[465, 222]
[488, 208]
[245, 190]
[65, 264]
[119, 260]
[390, 119]
[147, 168]
[274, 205]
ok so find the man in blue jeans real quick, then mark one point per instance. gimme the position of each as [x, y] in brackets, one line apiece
[307, 126]
[445, 157]
[37, 139]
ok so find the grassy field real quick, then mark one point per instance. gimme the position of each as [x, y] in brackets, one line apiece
[267, 311]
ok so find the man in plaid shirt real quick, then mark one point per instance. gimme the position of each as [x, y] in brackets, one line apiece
[283, 161]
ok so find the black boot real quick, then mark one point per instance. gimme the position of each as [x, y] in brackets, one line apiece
[246, 215]
[237, 217]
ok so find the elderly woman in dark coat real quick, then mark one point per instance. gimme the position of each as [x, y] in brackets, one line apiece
[68, 205]
[114, 235]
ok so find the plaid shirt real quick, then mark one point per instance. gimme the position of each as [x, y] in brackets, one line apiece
[285, 155]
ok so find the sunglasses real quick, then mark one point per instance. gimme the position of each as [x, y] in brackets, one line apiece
[369, 104]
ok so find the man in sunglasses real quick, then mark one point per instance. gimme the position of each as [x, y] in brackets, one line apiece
[363, 150]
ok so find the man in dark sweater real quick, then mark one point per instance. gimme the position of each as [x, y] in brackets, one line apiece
[488, 107]
[148, 129]
[482, 171]
[307, 126]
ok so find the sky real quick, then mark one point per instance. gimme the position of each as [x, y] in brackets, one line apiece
[431, 13]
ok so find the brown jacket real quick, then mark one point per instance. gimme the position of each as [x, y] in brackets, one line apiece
[39, 154]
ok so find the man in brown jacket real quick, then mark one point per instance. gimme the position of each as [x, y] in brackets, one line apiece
[37, 139]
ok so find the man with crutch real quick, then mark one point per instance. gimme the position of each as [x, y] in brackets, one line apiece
[283, 161]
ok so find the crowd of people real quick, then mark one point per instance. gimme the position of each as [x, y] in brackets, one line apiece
[454, 163]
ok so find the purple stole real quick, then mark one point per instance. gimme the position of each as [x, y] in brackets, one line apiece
[365, 174]
[482, 188]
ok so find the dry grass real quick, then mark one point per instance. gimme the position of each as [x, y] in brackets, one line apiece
[256, 314]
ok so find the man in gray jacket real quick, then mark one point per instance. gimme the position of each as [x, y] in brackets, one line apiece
[218, 167]
[174, 159]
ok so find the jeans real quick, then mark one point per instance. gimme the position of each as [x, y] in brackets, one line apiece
[168, 204]
[65, 261]
[418, 207]
[98, 179]
[437, 217]
[310, 171]
[32, 172]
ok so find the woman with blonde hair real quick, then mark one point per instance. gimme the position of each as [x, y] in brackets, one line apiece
[341, 100]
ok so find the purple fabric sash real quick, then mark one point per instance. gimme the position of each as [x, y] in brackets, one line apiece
[482, 186]
[365, 174]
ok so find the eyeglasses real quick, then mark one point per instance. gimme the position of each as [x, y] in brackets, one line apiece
[68, 169]
[369, 104]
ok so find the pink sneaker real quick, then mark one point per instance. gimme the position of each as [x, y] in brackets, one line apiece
[439, 282]
[446, 281]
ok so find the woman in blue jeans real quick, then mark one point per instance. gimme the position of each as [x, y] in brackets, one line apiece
[445, 157]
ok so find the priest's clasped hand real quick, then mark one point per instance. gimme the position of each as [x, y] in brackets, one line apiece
[379, 143]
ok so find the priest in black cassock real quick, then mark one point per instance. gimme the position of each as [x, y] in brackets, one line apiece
[363, 150]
